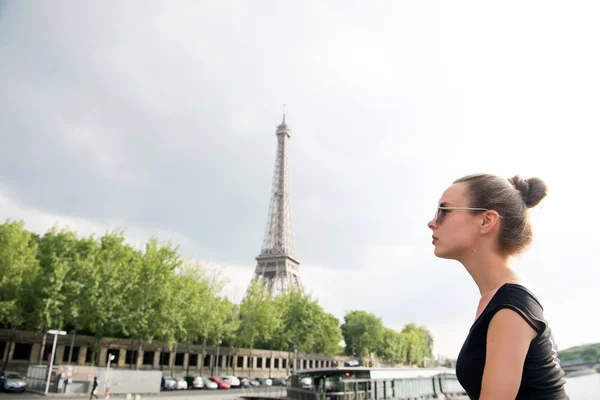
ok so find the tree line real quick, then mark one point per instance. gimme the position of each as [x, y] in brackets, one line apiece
[587, 353]
[105, 287]
[365, 335]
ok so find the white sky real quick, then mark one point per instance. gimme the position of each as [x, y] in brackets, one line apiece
[161, 118]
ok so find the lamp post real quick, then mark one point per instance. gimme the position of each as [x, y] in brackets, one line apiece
[110, 358]
[72, 341]
[217, 369]
[295, 356]
[107, 384]
[56, 334]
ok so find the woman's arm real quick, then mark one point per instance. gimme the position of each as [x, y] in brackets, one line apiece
[508, 340]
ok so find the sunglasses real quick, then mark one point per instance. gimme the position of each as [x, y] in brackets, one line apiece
[440, 212]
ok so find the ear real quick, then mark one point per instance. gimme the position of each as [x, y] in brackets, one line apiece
[489, 221]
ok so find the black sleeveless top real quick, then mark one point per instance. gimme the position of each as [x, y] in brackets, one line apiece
[542, 376]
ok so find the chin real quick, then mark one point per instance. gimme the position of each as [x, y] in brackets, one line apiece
[440, 253]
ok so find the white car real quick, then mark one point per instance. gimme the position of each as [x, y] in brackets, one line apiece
[208, 384]
[195, 382]
[180, 384]
[233, 381]
[266, 381]
[306, 383]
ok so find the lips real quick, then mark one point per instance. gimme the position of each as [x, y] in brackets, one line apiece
[434, 239]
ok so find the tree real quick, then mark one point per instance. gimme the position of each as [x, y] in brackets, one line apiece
[49, 306]
[207, 308]
[299, 319]
[591, 354]
[149, 310]
[363, 333]
[259, 317]
[54, 286]
[194, 288]
[305, 326]
[417, 346]
[18, 267]
[329, 335]
[83, 260]
[108, 288]
[226, 323]
[393, 349]
[586, 352]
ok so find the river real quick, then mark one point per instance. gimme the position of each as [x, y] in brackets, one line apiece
[585, 387]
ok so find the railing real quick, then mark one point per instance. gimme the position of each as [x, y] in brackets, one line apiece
[449, 385]
[268, 392]
[367, 389]
[37, 376]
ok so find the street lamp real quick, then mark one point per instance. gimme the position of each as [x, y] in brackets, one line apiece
[55, 333]
[217, 370]
[72, 340]
[107, 385]
[110, 358]
[295, 356]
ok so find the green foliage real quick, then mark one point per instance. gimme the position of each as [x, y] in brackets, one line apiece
[55, 291]
[305, 326]
[416, 344]
[259, 316]
[18, 267]
[394, 347]
[328, 336]
[363, 333]
[106, 287]
[588, 353]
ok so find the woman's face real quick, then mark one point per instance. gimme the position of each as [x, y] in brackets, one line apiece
[455, 232]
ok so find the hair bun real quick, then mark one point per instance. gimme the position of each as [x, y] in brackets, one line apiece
[533, 190]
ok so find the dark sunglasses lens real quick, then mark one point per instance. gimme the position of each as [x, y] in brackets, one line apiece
[439, 216]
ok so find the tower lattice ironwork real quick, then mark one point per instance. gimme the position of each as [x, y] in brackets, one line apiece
[276, 264]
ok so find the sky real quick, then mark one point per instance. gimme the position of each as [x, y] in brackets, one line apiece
[160, 117]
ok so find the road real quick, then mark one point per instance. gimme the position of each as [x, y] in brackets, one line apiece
[174, 395]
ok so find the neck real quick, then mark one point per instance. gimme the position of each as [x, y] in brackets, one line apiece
[489, 270]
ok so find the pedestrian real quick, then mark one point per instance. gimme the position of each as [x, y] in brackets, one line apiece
[482, 221]
[94, 392]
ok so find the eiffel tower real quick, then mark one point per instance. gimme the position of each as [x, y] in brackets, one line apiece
[276, 264]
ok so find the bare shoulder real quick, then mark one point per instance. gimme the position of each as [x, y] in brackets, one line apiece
[509, 322]
[508, 339]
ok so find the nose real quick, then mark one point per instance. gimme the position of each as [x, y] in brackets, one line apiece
[431, 224]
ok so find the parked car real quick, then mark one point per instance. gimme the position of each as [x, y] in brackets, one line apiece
[234, 382]
[220, 383]
[167, 383]
[209, 384]
[181, 384]
[12, 382]
[265, 381]
[244, 381]
[195, 382]
[307, 383]
[254, 382]
[279, 382]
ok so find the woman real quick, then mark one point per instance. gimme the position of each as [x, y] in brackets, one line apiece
[94, 392]
[482, 221]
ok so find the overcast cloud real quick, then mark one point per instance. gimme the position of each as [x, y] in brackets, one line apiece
[160, 117]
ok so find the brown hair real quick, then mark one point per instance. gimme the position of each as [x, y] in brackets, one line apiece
[510, 198]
